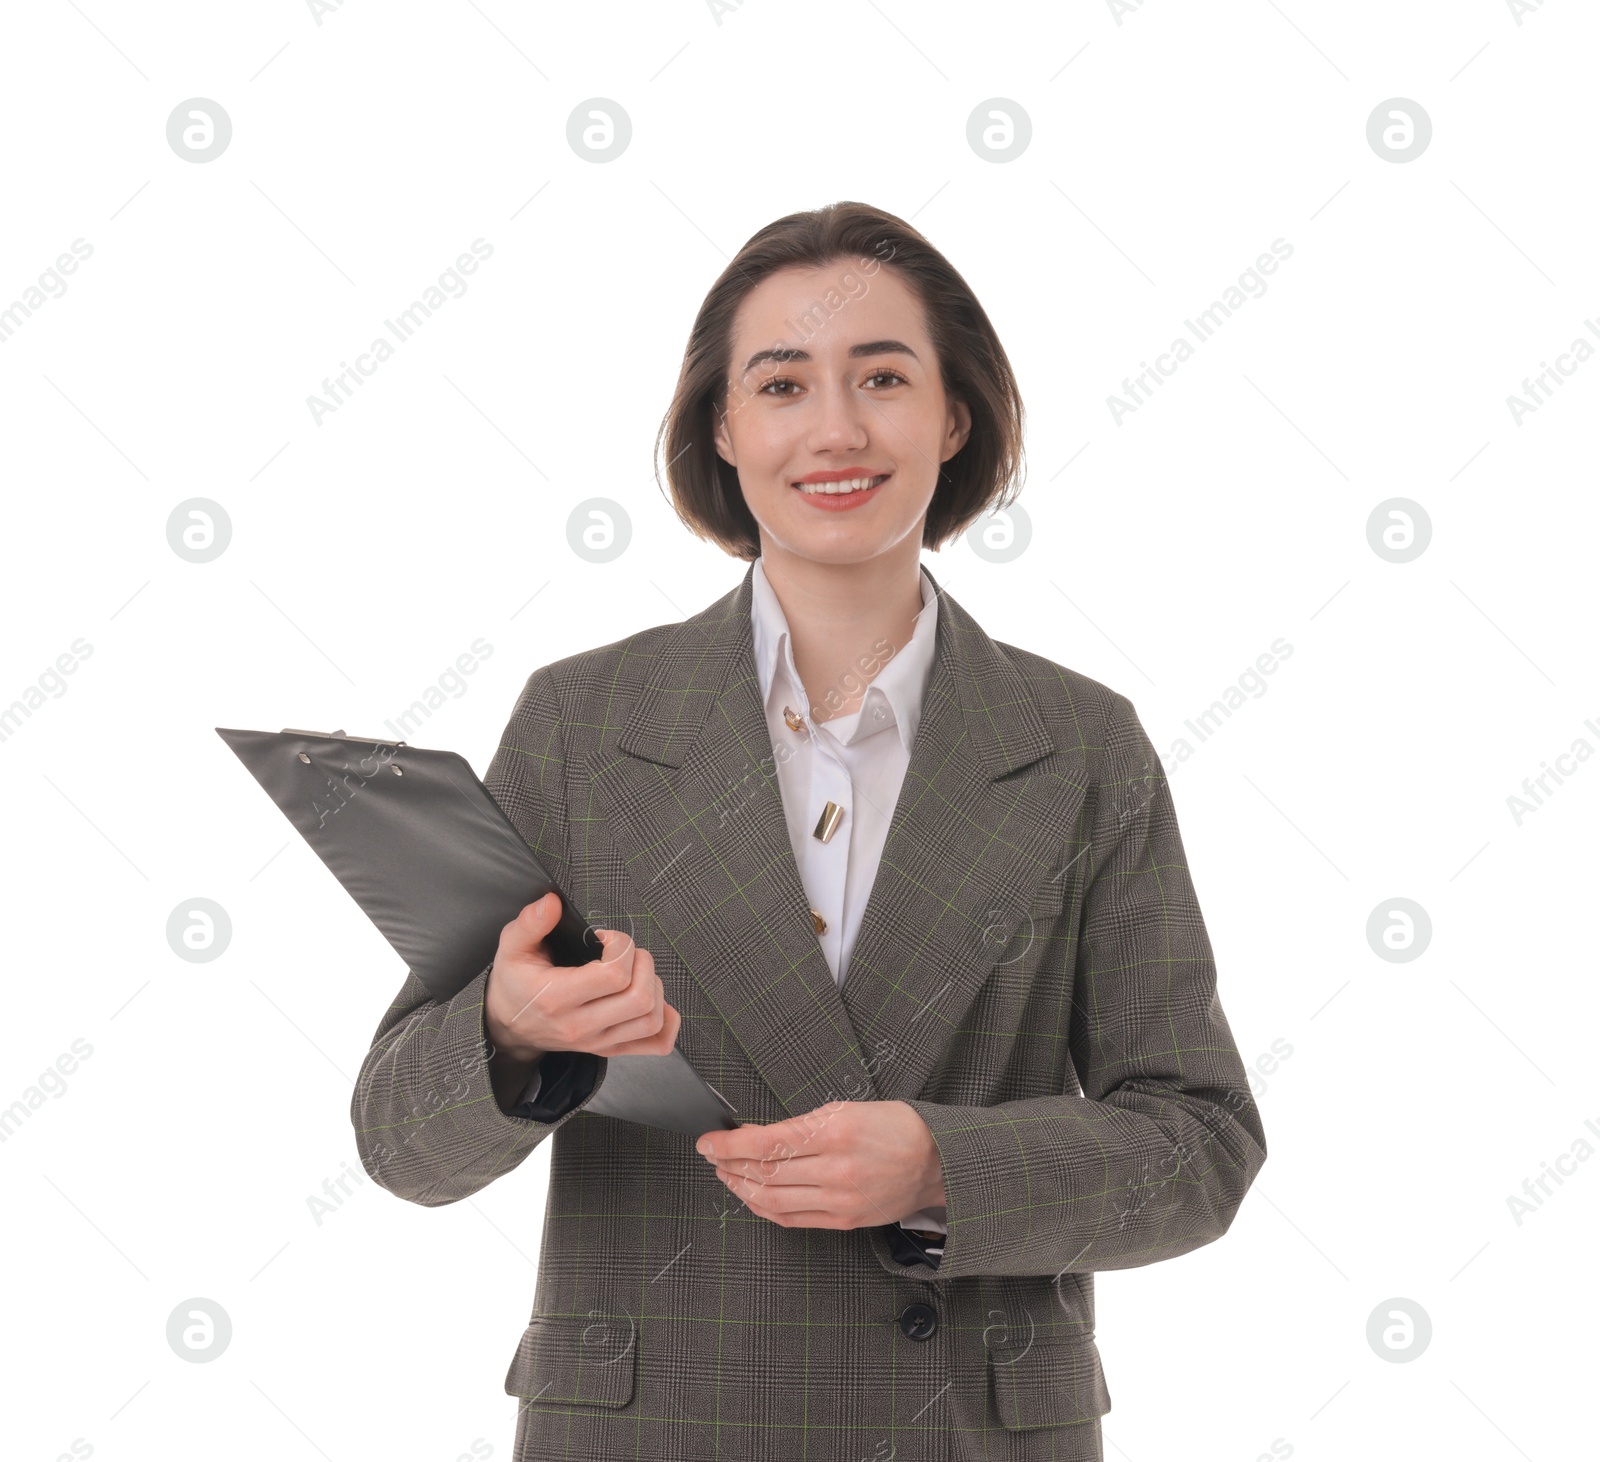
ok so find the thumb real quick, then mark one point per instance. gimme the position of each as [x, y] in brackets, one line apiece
[538, 919]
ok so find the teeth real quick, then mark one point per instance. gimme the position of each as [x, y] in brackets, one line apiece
[853, 484]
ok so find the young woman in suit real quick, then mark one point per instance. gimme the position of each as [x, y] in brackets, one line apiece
[914, 900]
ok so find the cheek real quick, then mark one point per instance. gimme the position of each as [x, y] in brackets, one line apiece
[927, 426]
[762, 460]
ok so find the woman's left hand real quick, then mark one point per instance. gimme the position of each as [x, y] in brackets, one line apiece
[843, 1165]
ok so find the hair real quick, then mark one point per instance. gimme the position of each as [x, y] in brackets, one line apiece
[973, 368]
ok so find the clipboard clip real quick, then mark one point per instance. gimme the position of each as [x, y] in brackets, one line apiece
[373, 740]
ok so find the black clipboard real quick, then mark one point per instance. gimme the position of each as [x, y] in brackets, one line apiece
[420, 844]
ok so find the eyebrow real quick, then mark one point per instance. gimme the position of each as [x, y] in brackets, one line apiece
[871, 347]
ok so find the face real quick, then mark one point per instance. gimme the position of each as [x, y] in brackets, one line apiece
[833, 375]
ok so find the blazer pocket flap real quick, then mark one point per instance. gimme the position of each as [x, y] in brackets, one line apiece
[575, 1360]
[1049, 1383]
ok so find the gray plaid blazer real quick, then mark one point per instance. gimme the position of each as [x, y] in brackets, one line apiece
[1032, 975]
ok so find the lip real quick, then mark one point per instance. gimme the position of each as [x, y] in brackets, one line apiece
[840, 474]
[841, 502]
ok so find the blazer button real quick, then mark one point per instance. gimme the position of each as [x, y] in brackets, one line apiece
[919, 1321]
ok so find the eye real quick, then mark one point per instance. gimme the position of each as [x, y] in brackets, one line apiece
[894, 378]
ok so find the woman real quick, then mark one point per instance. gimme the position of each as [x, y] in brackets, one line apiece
[913, 900]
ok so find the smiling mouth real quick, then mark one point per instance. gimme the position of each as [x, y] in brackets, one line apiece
[852, 484]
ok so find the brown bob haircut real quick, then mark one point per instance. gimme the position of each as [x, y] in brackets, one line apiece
[973, 368]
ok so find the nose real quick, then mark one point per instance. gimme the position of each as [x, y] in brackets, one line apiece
[841, 420]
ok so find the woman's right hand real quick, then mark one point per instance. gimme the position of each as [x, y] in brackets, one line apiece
[613, 1006]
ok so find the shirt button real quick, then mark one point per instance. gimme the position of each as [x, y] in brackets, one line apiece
[919, 1321]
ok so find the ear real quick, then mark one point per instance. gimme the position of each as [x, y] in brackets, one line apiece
[958, 428]
[722, 438]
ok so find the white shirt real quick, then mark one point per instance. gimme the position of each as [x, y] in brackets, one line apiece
[857, 762]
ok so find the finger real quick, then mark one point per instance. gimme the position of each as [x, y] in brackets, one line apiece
[534, 921]
[617, 946]
[805, 1133]
[745, 1182]
[661, 1042]
[803, 1204]
[570, 986]
[811, 1218]
[775, 1140]
[643, 999]
[807, 1168]
[556, 991]
[639, 1028]
[785, 1202]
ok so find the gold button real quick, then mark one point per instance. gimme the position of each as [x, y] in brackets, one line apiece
[794, 722]
[820, 923]
[828, 823]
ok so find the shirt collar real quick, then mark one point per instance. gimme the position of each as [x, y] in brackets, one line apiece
[897, 689]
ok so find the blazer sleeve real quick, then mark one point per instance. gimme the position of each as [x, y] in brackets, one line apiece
[427, 1124]
[1155, 1156]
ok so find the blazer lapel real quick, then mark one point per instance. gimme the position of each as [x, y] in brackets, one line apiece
[970, 845]
[689, 788]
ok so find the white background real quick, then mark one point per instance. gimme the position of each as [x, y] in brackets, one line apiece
[1167, 553]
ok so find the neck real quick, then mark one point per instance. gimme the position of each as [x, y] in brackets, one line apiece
[846, 621]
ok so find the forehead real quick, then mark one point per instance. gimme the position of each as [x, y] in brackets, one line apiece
[828, 309]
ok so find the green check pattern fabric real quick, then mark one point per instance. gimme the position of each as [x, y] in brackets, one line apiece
[1031, 974]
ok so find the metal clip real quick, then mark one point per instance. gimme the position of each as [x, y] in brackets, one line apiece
[330, 735]
[828, 823]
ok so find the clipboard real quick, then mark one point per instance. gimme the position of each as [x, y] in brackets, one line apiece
[420, 844]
